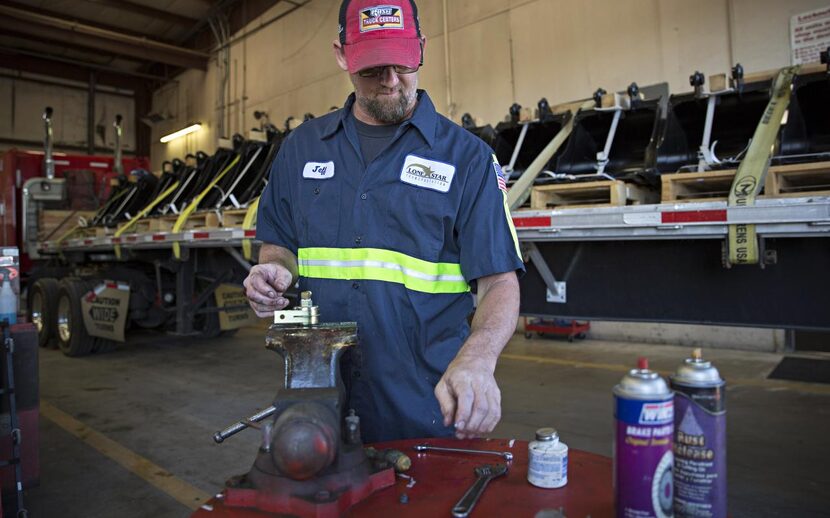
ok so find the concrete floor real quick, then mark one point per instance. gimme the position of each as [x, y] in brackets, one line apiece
[128, 434]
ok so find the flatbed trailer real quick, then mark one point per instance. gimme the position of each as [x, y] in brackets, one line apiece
[655, 263]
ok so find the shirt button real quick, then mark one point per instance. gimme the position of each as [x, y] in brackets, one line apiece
[316, 190]
[364, 196]
[356, 374]
[357, 240]
[355, 285]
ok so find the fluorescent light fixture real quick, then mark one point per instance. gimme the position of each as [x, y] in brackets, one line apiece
[181, 133]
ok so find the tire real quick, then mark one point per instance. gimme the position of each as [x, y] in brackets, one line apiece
[42, 307]
[73, 340]
[528, 335]
[103, 345]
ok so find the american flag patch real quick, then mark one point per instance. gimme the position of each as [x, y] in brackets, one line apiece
[499, 175]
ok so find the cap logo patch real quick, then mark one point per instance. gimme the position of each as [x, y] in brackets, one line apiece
[381, 17]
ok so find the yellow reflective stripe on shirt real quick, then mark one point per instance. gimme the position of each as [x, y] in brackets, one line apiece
[376, 264]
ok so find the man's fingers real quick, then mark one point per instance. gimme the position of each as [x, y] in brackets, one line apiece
[282, 280]
[494, 414]
[478, 414]
[446, 401]
[464, 405]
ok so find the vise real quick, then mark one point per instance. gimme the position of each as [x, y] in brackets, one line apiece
[311, 460]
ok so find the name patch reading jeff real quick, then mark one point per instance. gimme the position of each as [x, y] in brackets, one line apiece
[318, 170]
[381, 17]
[430, 174]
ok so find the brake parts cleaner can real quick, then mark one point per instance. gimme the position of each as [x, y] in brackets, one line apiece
[643, 459]
[699, 439]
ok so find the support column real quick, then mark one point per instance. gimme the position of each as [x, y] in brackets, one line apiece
[90, 115]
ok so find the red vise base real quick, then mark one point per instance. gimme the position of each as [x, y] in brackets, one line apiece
[331, 508]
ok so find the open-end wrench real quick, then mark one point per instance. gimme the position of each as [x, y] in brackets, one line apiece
[506, 455]
[485, 474]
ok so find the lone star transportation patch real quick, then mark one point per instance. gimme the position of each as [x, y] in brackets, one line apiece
[430, 174]
[381, 17]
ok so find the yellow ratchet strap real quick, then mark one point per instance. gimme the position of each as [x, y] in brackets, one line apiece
[143, 213]
[248, 223]
[743, 241]
[182, 219]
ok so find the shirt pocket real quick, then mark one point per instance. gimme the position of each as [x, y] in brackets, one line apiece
[320, 213]
[420, 222]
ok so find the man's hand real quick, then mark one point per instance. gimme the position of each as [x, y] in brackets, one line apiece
[265, 285]
[469, 396]
[467, 392]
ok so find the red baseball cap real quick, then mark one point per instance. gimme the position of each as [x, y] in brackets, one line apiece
[374, 33]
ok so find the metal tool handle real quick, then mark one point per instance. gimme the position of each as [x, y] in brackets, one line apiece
[465, 506]
[506, 455]
[239, 426]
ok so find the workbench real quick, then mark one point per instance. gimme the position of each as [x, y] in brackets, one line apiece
[442, 478]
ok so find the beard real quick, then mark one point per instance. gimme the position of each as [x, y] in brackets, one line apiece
[389, 110]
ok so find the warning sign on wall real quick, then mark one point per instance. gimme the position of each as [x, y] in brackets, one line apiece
[809, 35]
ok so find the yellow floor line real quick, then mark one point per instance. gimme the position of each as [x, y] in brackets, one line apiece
[177, 488]
[795, 386]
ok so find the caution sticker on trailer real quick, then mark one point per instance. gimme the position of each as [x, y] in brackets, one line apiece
[105, 310]
[233, 296]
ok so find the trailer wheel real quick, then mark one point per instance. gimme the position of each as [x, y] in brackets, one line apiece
[103, 345]
[42, 307]
[73, 340]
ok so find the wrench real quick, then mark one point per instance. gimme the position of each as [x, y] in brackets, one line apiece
[485, 474]
[506, 455]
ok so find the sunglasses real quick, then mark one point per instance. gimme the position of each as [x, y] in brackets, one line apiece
[377, 71]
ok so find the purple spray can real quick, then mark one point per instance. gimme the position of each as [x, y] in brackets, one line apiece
[699, 440]
[643, 459]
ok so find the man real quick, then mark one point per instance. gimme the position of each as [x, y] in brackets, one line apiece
[388, 213]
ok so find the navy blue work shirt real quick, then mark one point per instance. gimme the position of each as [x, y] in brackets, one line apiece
[392, 245]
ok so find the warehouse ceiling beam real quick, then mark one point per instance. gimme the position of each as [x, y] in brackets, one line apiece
[71, 17]
[38, 25]
[59, 66]
[145, 10]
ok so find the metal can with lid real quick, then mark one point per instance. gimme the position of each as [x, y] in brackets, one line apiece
[699, 439]
[643, 460]
[547, 464]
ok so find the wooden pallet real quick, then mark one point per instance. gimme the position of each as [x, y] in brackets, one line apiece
[795, 180]
[90, 232]
[604, 193]
[233, 217]
[708, 186]
[53, 224]
[782, 181]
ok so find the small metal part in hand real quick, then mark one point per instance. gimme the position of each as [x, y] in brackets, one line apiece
[506, 455]
[485, 474]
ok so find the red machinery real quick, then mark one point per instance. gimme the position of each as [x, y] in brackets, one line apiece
[441, 478]
[20, 166]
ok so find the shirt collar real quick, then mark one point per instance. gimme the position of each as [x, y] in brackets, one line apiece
[425, 118]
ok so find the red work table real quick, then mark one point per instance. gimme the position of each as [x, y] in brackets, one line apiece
[442, 478]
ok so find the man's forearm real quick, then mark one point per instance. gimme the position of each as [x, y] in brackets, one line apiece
[277, 254]
[495, 317]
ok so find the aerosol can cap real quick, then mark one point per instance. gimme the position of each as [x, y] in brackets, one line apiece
[697, 371]
[642, 383]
